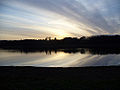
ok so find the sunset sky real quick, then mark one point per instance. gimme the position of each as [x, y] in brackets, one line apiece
[20, 19]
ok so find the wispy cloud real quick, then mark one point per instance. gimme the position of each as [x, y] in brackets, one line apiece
[59, 18]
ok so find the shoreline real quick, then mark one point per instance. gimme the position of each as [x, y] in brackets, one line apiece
[59, 78]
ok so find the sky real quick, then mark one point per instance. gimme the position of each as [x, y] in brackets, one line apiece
[35, 19]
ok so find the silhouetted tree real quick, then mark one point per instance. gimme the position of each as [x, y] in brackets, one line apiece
[68, 42]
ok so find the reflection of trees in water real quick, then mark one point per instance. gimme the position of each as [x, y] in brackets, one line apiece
[49, 52]
[99, 51]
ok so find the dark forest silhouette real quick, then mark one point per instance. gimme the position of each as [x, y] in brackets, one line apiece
[101, 41]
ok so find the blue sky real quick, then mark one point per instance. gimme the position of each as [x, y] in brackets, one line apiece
[36, 19]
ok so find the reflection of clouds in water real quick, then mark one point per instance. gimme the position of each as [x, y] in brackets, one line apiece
[69, 60]
[60, 59]
[83, 61]
[46, 61]
[16, 58]
[99, 60]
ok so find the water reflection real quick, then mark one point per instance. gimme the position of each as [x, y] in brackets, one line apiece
[60, 58]
[93, 51]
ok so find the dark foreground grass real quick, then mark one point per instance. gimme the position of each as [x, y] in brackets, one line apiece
[38, 78]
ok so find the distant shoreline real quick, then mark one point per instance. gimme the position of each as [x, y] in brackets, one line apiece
[100, 41]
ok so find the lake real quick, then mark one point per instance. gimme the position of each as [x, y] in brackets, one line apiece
[60, 58]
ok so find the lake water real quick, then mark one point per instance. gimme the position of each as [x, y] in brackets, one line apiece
[59, 58]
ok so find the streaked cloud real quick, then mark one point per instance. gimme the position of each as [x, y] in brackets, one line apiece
[58, 18]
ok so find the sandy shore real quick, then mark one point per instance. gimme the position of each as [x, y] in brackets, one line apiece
[39, 78]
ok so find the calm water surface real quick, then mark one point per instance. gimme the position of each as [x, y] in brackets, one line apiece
[57, 59]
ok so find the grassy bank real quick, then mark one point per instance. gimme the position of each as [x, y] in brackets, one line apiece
[38, 78]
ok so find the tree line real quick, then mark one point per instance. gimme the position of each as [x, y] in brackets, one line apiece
[102, 41]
